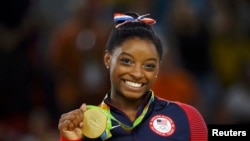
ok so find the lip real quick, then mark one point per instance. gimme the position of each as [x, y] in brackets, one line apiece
[131, 88]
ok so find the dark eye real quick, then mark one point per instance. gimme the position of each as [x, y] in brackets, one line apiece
[126, 61]
[150, 66]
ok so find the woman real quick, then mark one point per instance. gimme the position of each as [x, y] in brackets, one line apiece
[131, 110]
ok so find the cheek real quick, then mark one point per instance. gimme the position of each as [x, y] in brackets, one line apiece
[153, 80]
[152, 77]
[117, 70]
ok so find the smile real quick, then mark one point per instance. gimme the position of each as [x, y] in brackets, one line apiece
[133, 84]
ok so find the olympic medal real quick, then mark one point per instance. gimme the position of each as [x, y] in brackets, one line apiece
[94, 123]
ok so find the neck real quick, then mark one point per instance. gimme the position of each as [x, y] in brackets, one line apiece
[128, 106]
[124, 103]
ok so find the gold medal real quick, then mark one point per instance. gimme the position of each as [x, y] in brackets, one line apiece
[94, 123]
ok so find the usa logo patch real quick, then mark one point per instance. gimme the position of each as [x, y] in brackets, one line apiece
[162, 125]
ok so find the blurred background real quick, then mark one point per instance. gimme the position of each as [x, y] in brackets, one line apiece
[51, 59]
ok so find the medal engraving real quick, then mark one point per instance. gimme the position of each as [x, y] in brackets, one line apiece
[94, 123]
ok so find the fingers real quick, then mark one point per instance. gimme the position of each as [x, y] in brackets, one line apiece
[71, 120]
[71, 123]
[83, 107]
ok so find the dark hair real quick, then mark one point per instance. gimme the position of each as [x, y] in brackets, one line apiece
[131, 30]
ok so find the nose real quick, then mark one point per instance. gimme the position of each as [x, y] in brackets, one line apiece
[137, 72]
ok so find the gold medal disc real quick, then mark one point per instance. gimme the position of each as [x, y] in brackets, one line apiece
[94, 123]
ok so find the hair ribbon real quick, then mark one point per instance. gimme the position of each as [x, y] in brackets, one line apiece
[123, 19]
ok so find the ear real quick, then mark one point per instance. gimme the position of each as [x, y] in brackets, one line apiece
[157, 74]
[107, 59]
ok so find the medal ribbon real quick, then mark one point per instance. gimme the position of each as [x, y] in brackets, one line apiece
[106, 110]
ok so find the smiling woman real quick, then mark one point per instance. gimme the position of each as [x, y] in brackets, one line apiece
[130, 109]
[133, 68]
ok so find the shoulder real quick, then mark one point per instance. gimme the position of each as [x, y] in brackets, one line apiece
[194, 119]
[191, 112]
[197, 123]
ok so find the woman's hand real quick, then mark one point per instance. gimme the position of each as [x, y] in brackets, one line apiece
[71, 123]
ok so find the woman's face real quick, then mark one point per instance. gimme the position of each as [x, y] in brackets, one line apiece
[133, 67]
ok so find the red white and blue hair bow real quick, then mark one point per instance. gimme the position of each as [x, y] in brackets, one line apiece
[122, 19]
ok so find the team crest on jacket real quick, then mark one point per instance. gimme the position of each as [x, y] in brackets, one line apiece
[162, 125]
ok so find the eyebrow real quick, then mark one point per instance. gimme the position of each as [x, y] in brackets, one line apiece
[149, 59]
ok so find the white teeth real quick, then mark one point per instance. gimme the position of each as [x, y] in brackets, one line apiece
[133, 84]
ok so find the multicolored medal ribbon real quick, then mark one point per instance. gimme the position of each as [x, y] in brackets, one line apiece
[121, 19]
[97, 120]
